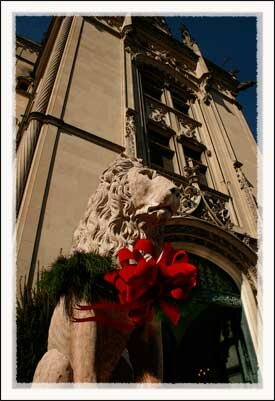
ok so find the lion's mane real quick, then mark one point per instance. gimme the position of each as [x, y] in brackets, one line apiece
[109, 222]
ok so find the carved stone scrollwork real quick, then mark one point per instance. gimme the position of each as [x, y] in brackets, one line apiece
[190, 194]
[157, 112]
[187, 128]
[130, 132]
[215, 210]
[212, 206]
[190, 200]
[191, 174]
[204, 88]
[114, 22]
[154, 51]
[165, 57]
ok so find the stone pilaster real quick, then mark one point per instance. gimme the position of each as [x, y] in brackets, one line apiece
[29, 139]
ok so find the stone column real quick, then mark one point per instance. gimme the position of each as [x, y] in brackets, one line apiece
[29, 139]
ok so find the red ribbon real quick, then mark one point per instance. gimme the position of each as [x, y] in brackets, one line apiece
[144, 281]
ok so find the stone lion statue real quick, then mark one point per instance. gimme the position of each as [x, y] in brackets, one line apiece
[131, 202]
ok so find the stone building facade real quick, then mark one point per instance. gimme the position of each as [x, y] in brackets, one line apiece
[100, 86]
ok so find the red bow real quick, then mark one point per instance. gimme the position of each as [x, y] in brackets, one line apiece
[143, 282]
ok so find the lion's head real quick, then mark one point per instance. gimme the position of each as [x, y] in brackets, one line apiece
[131, 202]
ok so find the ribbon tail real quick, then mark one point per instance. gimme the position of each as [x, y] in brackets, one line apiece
[170, 310]
[106, 321]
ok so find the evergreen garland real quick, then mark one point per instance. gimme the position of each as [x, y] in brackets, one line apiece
[79, 277]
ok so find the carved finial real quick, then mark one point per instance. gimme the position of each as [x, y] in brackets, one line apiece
[185, 35]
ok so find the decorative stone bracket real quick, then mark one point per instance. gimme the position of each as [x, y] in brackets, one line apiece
[157, 112]
[187, 127]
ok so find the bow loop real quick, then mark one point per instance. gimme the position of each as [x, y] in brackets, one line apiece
[124, 255]
[180, 256]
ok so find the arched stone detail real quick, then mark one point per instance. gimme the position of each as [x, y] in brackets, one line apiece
[214, 239]
[226, 251]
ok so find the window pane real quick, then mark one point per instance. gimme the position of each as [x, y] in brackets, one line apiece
[154, 136]
[179, 102]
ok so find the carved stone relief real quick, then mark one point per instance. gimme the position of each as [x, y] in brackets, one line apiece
[212, 206]
[156, 112]
[165, 57]
[154, 51]
[204, 94]
[189, 200]
[215, 210]
[130, 132]
[187, 127]
[186, 37]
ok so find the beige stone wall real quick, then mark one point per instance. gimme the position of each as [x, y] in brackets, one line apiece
[78, 164]
[95, 98]
[26, 53]
[241, 140]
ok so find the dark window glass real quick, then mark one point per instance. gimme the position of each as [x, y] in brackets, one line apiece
[160, 153]
[22, 84]
[192, 154]
[161, 139]
[152, 90]
[179, 102]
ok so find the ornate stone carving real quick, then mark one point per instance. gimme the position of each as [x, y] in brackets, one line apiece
[206, 205]
[155, 51]
[187, 127]
[185, 36]
[215, 210]
[114, 22]
[204, 88]
[165, 57]
[130, 132]
[157, 112]
[189, 200]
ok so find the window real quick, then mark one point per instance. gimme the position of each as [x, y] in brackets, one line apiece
[179, 101]
[161, 156]
[152, 85]
[166, 108]
[23, 84]
[193, 159]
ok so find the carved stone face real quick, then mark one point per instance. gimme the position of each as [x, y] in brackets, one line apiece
[154, 197]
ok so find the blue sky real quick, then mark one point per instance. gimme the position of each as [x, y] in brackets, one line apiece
[230, 42]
